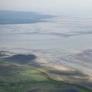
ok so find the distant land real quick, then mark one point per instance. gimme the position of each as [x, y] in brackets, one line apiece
[20, 17]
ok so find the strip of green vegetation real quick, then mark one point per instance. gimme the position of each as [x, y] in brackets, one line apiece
[25, 78]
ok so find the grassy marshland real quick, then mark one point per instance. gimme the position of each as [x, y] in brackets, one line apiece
[15, 77]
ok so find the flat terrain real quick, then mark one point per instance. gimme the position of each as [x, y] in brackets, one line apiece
[44, 53]
[26, 76]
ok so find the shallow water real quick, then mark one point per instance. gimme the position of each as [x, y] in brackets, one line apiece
[69, 34]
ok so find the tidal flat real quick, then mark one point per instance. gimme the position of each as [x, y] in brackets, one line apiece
[54, 55]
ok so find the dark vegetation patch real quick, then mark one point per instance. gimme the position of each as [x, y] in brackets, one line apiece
[20, 58]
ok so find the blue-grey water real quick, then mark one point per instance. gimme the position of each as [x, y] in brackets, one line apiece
[70, 34]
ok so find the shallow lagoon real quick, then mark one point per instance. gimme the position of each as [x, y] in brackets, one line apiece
[69, 34]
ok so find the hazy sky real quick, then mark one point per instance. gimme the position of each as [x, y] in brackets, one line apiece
[49, 6]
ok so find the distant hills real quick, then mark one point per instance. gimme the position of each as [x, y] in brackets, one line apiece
[19, 17]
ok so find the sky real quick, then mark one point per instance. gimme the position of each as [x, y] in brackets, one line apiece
[81, 7]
